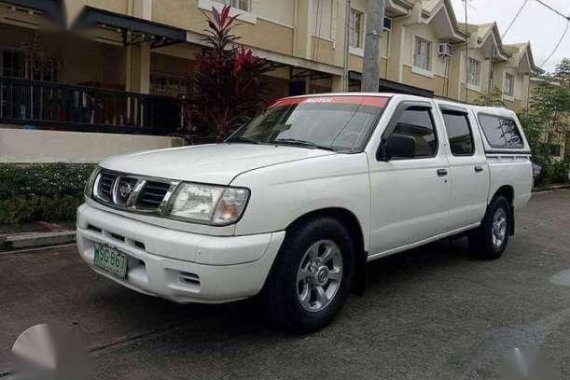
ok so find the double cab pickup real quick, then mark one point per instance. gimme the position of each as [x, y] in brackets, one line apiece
[293, 205]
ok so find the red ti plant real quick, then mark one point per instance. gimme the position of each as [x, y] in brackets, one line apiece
[228, 80]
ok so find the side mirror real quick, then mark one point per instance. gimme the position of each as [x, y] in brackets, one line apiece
[400, 146]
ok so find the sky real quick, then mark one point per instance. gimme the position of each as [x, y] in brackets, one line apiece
[536, 24]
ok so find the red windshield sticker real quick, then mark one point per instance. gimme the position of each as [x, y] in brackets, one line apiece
[372, 101]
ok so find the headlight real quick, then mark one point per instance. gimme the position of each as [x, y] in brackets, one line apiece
[90, 182]
[208, 204]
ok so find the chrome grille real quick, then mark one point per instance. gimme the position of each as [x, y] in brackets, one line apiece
[132, 192]
[152, 194]
[124, 189]
[105, 185]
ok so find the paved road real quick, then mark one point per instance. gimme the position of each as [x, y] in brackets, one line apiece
[432, 313]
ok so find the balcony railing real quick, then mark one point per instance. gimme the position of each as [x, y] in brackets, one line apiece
[46, 105]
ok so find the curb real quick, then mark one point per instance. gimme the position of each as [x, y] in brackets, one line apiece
[46, 239]
[35, 240]
[550, 188]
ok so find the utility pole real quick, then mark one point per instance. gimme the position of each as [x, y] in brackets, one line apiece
[346, 56]
[374, 29]
[467, 36]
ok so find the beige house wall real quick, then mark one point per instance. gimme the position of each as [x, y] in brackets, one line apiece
[315, 31]
[426, 32]
[435, 79]
[475, 91]
[323, 50]
[278, 11]
[456, 73]
[520, 84]
[394, 55]
[356, 63]
[263, 31]
[74, 7]
[19, 145]
[299, 29]
[308, 29]
[436, 83]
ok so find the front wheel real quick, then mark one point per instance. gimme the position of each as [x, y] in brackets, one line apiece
[490, 240]
[311, 277]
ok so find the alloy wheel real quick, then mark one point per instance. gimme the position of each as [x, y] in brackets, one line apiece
[319, 275]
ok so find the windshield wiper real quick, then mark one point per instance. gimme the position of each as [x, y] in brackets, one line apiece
[300, 142]
[242, 139]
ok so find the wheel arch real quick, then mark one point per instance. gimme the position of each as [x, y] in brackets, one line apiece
[508, 192]
[354, 227]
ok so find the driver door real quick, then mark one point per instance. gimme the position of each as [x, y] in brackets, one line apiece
[410, 194]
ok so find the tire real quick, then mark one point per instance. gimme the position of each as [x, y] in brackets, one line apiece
[291, 295]
[490, 240]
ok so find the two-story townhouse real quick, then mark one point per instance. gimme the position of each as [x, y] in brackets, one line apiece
[416, 58]
[513, 76]
[121, 74]
[478, 57]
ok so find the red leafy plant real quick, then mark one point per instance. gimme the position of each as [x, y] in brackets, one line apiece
[228, 80]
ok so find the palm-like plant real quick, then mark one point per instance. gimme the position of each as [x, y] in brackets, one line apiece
[228, 80]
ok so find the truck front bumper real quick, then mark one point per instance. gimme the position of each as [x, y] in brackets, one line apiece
[179, 266]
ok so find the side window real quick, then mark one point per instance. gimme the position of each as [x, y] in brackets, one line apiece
[459, 133]
[501, 132]
[418, 124]
[511, 133]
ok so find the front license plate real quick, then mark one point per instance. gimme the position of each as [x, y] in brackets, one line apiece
[111, 260]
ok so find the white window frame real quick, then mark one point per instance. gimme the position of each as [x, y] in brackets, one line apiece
[416, 66]
[359, 47]
[474, 77]
[236, 3]
[511, 94]
[245, 16]
[385, 41]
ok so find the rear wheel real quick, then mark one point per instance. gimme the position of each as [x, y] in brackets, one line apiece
[490, 240]
[311, 277]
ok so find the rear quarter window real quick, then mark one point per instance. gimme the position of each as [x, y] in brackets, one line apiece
[501, 132]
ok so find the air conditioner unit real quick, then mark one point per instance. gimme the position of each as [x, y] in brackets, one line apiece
[444, 50]
[387, 24]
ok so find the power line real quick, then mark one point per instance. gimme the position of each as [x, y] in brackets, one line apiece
[514, 19]
[567, 18]
[558, 44]
[559, 13]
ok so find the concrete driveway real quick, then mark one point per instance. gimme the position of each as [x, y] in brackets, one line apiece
[431, 313]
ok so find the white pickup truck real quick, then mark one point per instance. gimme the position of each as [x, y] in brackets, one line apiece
[293, 205]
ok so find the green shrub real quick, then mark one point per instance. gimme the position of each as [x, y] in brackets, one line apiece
[48, 192]
[558, 172]
[553, 172]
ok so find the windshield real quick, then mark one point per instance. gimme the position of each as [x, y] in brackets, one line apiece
[339, 123]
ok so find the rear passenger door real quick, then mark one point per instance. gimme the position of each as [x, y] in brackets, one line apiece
[469, 172]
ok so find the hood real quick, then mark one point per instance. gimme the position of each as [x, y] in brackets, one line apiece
[215, 164]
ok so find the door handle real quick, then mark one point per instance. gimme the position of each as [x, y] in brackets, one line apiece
[442, 172]
[478, 169]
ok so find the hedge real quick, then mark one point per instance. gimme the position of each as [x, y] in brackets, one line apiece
[553, 172]
[47, 192]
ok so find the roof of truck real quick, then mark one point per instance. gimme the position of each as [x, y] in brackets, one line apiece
[487, 109]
